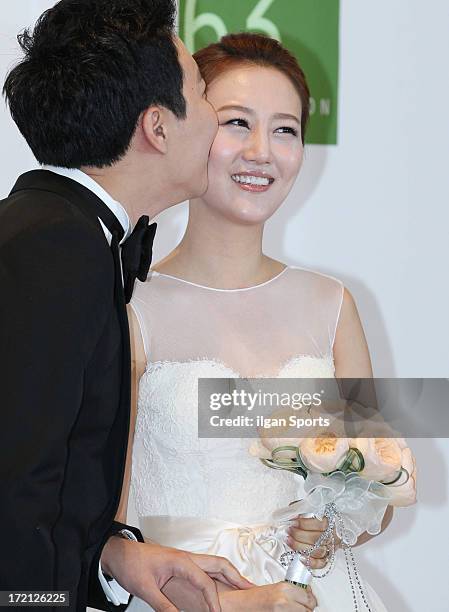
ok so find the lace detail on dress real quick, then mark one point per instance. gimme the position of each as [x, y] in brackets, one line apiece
[175, 473]
[281, 328]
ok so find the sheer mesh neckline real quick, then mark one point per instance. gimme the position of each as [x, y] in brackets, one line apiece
[182, 280]
[253, 330]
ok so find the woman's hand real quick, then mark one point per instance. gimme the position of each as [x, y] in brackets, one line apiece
[278, 597]
[303, 534]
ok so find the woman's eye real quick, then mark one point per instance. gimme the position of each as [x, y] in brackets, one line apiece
[238, 122]
[288, 130]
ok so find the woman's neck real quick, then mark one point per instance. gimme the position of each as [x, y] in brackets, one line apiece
[218, 252]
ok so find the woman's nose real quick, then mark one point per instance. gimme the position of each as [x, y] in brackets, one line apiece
[258, 147]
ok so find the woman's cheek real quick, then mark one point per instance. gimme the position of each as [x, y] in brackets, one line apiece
[289, 159]
[225, 146]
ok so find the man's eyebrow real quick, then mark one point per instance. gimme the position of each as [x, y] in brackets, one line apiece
[249, 111]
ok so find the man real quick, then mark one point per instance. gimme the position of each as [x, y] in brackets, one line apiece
[113, 106]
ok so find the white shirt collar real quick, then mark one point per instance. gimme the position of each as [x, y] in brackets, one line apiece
[81, 177]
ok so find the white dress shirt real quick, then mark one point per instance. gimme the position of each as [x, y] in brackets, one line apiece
[114, 592]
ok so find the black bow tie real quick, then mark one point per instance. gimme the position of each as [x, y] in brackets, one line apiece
[137, 252]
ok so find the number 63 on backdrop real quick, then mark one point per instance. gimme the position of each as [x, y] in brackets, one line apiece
[309, 29]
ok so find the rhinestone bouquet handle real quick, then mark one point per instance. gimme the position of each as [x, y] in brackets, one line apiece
[327, 539]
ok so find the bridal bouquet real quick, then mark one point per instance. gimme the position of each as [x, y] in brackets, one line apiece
[349, 481]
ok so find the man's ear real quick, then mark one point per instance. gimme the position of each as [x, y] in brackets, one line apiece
[154, 127]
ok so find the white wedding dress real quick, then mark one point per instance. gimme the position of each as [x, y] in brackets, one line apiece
[210, 495]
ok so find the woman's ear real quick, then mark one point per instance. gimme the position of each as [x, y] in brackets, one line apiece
[154, 127]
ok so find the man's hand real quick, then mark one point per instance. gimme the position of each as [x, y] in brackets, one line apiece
[144, 569]
[226, 577]
[221, 569]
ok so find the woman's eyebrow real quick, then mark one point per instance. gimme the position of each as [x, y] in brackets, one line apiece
[286, 116]
[242, 109]
[249, 111]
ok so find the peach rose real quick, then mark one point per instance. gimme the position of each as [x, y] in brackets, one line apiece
[383, 457]
[324, 453]
[264, 447]
[405, 494]
[274, 437]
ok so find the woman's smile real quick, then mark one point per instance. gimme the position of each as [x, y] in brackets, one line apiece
[253, 181]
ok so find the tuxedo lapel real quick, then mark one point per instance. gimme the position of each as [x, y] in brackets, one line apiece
[125, 388]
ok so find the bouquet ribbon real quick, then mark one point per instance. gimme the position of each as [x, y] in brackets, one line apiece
[361, 503]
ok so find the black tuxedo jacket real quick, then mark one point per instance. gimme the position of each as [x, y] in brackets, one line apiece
[65, 388]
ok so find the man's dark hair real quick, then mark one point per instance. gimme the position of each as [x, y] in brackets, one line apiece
[91, 67]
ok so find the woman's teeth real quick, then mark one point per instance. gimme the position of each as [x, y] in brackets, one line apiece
[251, 180]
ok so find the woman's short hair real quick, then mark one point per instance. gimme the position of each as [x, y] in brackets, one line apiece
[254, 49]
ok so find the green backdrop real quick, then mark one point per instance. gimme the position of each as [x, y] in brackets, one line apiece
[309, 28]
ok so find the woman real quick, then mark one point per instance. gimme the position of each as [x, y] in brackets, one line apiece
[217, 306]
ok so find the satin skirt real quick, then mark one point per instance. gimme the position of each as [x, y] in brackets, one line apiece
[255, 551]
